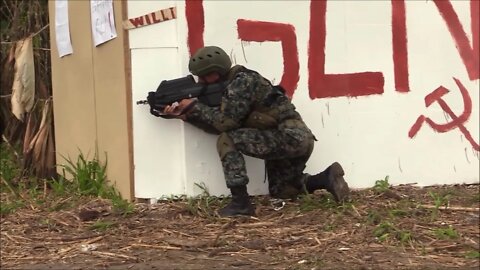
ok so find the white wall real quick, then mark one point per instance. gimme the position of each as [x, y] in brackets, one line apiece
[368, 134]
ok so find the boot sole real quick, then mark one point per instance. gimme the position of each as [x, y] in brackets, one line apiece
[340, 189]
[238, 213]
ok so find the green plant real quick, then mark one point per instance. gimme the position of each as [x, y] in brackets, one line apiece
[9, 207]
[386, 229]
[120, 205]
[438, 201]
[8, 168]
[446, 233]
[381, 185]
[62, 204]
[374, 217]
[329, 227]
[203, 204]
[344, 208]
[102, 225]
[383, 230]
[48, 223]
[403, 236]
[89, 177]
[398, 213]
[474, 254]
[310, 202]
[60, 186]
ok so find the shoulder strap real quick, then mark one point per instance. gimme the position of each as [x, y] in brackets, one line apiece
[233, 72]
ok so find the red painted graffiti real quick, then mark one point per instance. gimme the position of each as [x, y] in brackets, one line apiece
[399, 43]
[195, 24]
[285, 33]
[468, 53]
[322, 85]
[457, 121]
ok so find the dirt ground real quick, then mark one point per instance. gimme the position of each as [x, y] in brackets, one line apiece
[403, 227]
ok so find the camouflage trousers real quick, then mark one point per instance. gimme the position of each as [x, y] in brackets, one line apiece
[285, 151]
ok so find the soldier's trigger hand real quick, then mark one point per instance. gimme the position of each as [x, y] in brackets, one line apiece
[179, 108]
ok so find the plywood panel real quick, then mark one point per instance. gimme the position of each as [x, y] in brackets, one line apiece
[73, 87]
[90, 97]
[109, 70]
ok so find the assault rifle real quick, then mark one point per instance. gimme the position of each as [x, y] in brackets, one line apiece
[171, 91]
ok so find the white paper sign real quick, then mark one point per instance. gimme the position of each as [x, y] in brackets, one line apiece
[103, 22]
[62, 29]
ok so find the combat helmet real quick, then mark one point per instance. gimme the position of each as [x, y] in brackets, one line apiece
[209, 59]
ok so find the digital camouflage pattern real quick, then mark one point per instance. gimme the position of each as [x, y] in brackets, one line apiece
[261, 122]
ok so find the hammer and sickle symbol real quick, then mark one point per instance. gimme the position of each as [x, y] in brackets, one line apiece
[457, 121]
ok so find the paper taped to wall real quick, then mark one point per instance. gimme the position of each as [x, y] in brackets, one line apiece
[62, 29]
[103, 21]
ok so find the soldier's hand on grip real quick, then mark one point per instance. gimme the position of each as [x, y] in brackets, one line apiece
[179, 108]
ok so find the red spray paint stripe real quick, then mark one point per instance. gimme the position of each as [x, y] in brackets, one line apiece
[416, 127]
[195, 23]
[285, 33]
[333, 85]
[435, 95]
[456, 120]
[475, 22]
[469, 54]
[399, 42]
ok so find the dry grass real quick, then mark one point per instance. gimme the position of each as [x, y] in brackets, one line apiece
[374, 231]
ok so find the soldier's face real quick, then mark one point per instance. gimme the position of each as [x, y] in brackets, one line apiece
[210, 78]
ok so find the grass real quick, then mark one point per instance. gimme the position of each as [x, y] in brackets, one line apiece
[10, 207]
[474, 254]
[310, 202]
[381, 185]
[9, 169]
[374, 217]
[203, 205]
[100, 225]
[386, 229]
[83, 177]
[383, 230]
[89, 178]
[398, 213]
[438, 200]
[446, 233]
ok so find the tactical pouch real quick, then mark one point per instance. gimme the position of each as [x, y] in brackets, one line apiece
[260, 120]
[224, 145]
[294, 123]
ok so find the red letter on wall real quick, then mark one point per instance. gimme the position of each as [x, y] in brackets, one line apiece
[399, 42]
[285, 33]
[469, 54]
[195, 23]
[323, 85]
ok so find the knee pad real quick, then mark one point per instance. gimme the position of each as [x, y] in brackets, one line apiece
[224, 145]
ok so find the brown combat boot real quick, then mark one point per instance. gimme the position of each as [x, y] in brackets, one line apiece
[240, 204]
[332, 180]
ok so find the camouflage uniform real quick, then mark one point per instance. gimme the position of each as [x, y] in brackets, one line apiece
[257, 119]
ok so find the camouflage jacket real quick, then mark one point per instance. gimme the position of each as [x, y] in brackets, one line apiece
[248, 96]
